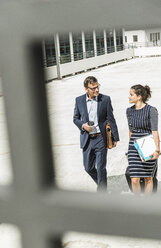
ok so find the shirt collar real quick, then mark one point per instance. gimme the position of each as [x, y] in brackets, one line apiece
[95, 98]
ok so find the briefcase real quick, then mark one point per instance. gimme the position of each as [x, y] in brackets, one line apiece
[109, 136]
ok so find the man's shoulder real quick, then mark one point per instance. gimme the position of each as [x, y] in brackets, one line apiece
[104, 97]
[80, 98]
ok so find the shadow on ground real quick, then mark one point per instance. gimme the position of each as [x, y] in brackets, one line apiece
[118, 184]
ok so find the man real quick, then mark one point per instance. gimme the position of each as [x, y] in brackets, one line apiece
[91, 113]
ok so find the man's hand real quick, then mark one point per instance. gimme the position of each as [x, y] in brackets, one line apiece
[114, 143]
[87, 127]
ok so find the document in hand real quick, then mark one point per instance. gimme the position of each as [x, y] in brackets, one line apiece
[145, 147]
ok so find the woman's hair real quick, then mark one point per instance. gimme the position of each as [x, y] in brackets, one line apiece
[143, 91]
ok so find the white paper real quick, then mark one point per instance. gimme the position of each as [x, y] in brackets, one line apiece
[147, 145]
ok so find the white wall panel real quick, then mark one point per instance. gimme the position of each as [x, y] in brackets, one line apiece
[82, 65]
[147, 51]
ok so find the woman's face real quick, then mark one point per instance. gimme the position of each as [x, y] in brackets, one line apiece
[133, 98]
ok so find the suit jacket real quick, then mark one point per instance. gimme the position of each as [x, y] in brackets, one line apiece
[104, 112]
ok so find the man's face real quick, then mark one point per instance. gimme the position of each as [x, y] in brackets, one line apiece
[92, 90]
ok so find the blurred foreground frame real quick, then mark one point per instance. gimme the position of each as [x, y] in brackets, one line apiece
[33, 202]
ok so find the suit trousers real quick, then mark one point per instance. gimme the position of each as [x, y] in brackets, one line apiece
[94, 159]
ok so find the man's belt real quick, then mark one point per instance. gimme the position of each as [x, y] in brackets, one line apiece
[94, 135]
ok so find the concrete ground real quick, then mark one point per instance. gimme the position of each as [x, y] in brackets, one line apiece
[115, 80]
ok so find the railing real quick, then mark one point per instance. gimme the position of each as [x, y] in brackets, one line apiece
[89, 53]
[78, 56]
[142, 44]
[120, 47]
[111, 49]
[87, 63]
[100, 51]
[65, 58]
[50, 61]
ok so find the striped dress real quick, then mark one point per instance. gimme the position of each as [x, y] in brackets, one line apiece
[141, 122]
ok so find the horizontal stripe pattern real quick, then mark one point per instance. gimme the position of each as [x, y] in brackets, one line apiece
[139, 122]
[137, 168]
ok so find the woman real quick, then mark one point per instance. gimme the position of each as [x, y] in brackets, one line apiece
[142, 120]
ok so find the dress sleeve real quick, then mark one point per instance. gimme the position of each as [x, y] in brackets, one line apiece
[128, 120]
[154, 119]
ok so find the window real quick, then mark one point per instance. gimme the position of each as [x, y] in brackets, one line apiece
[154, 37]
[158, 36]
[135, 38]
[110, 42]
[125, 38]
[77, 46]
[89, 45]
[100, 43]
[119, 40]
[50, 52]
[64, 49]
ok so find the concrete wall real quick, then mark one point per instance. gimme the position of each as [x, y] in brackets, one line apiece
[85, 64]
[147, 51]
[140, 33]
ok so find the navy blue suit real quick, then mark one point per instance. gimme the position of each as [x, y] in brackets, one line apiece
[95, 150]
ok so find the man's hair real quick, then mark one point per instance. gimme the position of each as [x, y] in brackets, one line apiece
[90, 80]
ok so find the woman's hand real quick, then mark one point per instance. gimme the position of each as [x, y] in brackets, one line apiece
[157, 144]
[155, 155]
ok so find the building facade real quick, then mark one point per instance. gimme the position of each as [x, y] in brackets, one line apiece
[77, 46]
[74, 47]
[143, 38]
